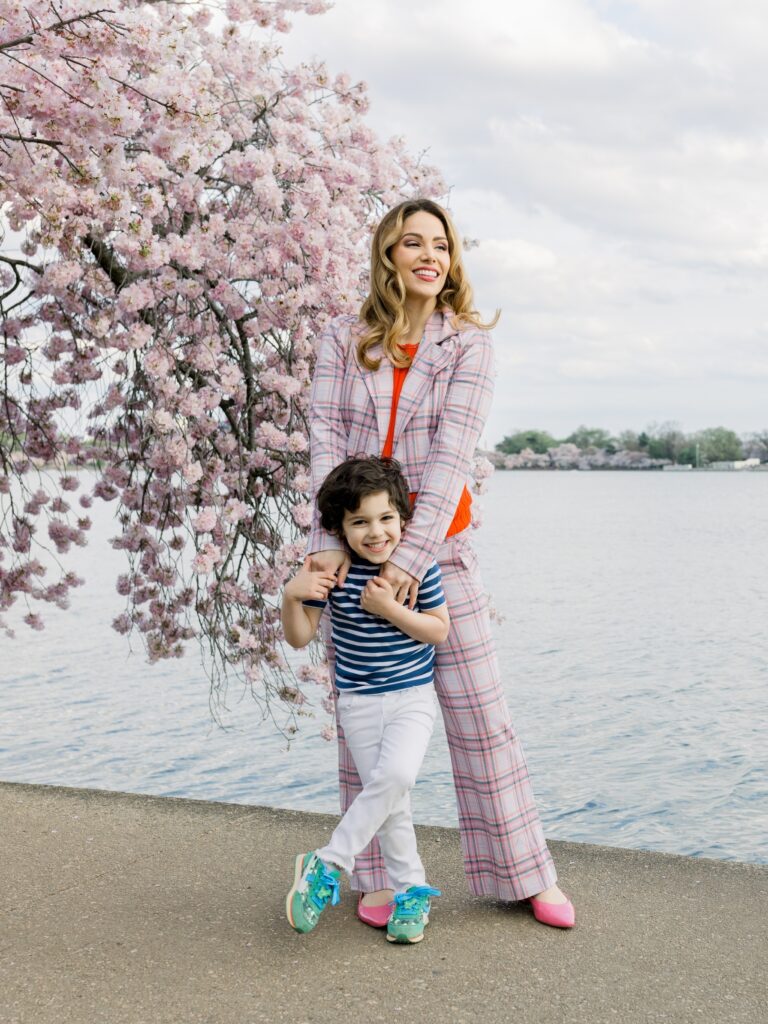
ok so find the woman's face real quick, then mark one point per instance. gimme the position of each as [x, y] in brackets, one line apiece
[421, 255]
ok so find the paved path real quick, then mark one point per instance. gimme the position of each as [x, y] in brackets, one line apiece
[120, 909]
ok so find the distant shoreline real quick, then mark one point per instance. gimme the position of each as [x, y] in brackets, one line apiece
[762, 468]
[575, 460]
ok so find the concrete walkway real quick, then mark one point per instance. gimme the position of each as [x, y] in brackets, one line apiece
[146, 910]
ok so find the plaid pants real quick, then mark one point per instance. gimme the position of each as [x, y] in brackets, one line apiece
[505, 853]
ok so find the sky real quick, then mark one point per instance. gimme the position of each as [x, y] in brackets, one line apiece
[611, 157]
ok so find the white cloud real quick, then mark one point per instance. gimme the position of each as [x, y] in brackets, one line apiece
[513, 256]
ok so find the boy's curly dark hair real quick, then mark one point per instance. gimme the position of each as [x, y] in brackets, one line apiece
[354, 479]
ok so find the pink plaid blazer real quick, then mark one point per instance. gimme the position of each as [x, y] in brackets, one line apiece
[443, 407]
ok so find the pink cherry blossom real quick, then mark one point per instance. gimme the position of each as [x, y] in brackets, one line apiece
[235, 510]
[163, 421]
[157, 362]
[206, 520]
[189, 213]
[302, 514]
[206, 559]
[14, 354]
[193, 472]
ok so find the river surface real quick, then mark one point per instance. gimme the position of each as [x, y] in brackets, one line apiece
[633, 645]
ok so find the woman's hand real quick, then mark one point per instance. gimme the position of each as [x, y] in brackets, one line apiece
[332, 561]
[404, 586]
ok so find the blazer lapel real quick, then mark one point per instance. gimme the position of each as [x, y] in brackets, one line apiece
[431, 357]
[380, 384]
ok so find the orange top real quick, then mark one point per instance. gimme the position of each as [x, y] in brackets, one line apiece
[463, 516]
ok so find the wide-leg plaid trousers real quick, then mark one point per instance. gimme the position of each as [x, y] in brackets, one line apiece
[505, 853]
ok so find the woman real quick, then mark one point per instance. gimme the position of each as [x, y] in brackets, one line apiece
[412, 378]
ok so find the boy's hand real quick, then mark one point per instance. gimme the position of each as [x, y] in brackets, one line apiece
[377, 596]
[310, 586]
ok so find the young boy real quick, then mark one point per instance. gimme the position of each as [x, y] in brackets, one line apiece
[386, 703]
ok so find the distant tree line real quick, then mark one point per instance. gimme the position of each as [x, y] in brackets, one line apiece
[658, 441]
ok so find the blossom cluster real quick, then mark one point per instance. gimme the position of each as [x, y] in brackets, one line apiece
[190, 213]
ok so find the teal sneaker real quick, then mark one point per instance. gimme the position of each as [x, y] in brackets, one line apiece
[410, 914]
[314, 884]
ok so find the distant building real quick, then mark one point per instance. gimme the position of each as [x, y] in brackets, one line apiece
[736, 464]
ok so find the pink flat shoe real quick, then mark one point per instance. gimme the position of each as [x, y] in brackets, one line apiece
[559, 915]
[376, 917]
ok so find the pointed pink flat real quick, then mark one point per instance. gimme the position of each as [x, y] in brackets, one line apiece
[559, 915]
[376, 917]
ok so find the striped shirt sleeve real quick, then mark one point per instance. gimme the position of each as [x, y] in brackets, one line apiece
[431, 590]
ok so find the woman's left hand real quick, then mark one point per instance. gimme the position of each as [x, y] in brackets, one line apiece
[404, 586]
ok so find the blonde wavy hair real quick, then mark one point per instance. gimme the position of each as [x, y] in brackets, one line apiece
[382, 315]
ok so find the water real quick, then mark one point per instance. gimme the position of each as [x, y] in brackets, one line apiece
[633, 648]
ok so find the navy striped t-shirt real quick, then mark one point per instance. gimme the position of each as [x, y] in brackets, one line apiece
[372, 655]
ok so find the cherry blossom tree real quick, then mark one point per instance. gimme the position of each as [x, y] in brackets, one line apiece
[182, 214]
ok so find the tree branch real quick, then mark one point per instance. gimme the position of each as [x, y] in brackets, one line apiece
[106, 260]
[20, 263]
[56, 27]
[31, 138]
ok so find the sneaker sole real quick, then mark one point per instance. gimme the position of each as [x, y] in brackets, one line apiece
[298, 871]
[405, 941]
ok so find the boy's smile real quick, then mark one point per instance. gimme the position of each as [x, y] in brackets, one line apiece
[374, 529]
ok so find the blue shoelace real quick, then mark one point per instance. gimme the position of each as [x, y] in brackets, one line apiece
[414, 902]
[322, 887]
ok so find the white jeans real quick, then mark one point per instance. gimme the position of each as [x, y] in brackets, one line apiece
[388, 735]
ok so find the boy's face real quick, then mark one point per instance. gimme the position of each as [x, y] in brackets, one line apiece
[373, 530]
